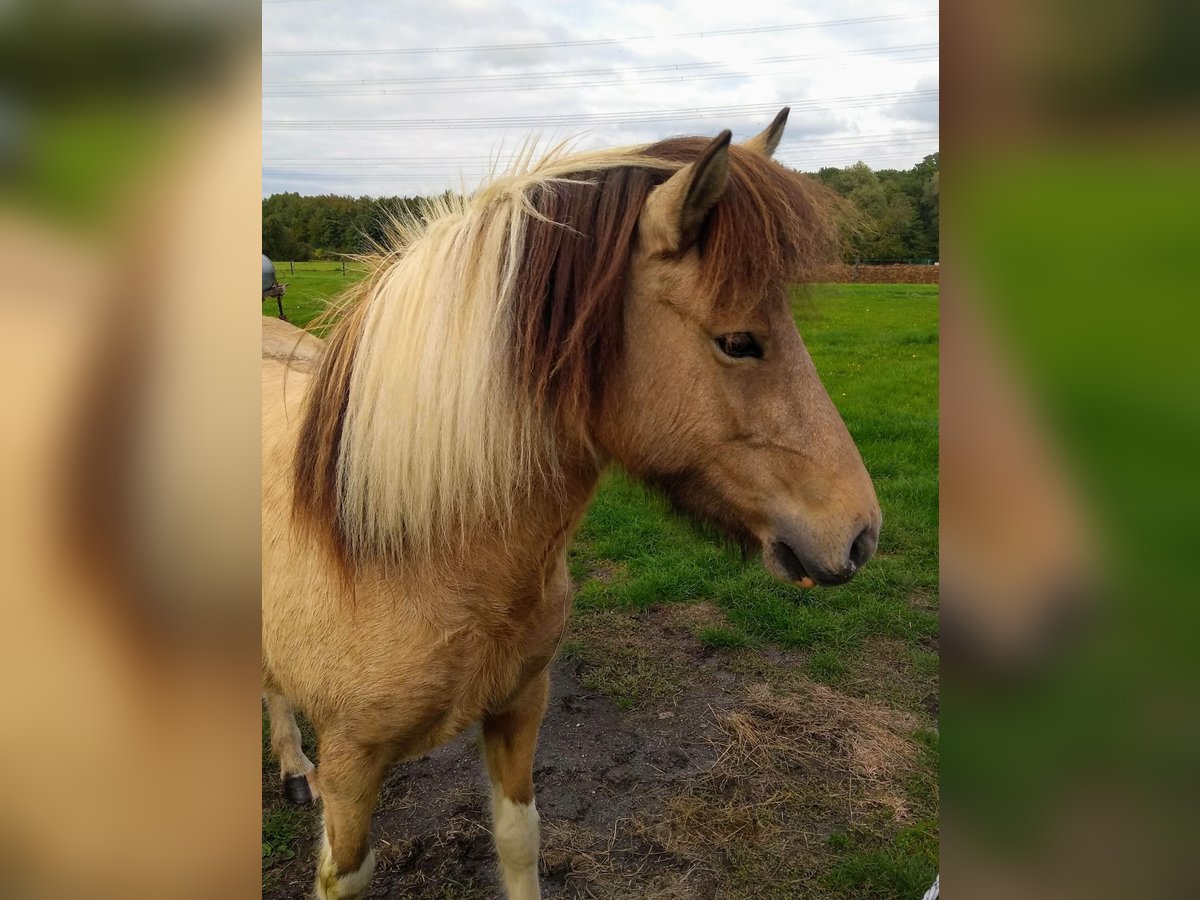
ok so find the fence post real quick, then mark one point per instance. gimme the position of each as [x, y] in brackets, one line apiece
[292, 266]
[343, 267]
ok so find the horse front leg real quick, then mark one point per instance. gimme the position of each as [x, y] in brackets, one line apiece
[509, 740]
[349, 777]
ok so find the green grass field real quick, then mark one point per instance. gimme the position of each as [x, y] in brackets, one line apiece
[310, 287]
[876, 348]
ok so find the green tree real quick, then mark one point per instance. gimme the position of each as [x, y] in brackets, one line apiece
[898, 209]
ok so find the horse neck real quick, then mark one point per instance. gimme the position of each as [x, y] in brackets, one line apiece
[543, 522]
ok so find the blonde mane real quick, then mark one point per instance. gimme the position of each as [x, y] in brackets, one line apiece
[433, 431]
[483, 333]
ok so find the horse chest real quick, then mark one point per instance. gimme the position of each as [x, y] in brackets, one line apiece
[501, 657]
[484, 675]
[527, 652]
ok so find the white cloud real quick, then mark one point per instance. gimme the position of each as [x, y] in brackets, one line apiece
[850, 99]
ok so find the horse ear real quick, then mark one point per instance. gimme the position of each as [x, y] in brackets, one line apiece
[767, 140]
[676, 210]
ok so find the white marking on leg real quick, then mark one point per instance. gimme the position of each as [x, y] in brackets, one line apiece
[331, 885]
[517, 834]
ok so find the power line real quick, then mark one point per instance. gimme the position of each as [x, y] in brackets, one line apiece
[799, 160]
[581, 73]
[604, 41]
[469, 180]
[831, 142]
[491, 89]
[611, 118]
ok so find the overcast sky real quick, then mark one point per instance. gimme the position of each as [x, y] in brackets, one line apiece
[477, 77]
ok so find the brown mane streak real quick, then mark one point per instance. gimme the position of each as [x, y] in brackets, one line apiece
[568, 303]
[771, 227]
[315, 503]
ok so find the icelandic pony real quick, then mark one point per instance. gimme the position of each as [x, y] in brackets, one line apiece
[421, 483]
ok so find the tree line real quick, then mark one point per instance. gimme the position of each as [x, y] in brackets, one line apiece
[898, 210]
[897, 216]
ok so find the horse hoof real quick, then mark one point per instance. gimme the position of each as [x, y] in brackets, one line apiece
[295, 788]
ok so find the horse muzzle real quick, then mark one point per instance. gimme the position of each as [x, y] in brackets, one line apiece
[790, 555]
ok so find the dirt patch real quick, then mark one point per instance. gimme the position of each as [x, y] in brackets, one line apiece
[646, 659]
[890, 671]
[607, 572]
[597, 767]
[868, 273]
[711, 783]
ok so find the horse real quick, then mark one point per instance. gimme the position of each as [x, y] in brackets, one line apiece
[297, 348]
[423, 478]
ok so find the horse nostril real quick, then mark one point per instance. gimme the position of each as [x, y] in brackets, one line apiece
[862, 548]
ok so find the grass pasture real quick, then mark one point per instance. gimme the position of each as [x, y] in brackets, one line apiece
[744, 738]
[309, 287]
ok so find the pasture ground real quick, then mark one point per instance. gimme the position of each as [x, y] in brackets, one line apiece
[712, 733]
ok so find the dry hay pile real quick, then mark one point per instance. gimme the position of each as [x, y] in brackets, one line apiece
[794, 768]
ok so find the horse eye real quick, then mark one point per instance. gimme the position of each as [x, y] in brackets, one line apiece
[739, 345]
